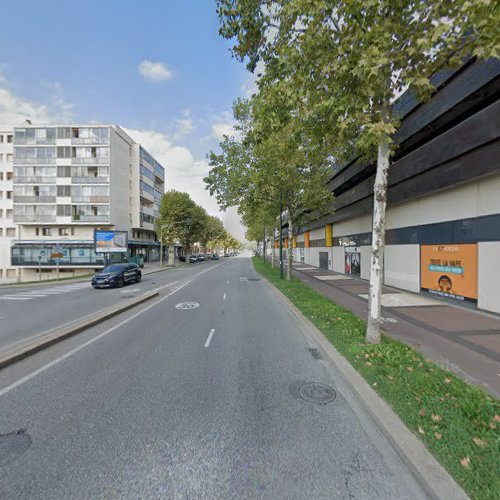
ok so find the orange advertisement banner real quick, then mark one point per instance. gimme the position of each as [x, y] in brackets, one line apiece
[449, 270]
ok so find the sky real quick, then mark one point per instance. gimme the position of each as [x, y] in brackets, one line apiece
[157, 68]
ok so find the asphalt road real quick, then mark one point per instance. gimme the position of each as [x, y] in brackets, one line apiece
[28, 311]
[186, 403]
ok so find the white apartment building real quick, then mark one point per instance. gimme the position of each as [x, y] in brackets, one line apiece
[69, 180]
[8, 231]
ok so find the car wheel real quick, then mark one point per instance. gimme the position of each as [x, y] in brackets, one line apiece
[119, 282]
[138, 279]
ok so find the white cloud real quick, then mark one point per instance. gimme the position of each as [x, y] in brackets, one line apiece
[222, 125]
[183, 126]
[15, 110]
[155, 71]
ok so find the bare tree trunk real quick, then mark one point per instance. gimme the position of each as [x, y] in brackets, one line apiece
[289, 249]
[378, 244]
[273, 254]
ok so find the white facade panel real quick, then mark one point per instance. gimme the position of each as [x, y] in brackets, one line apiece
[317, 234]
[489, 276]
[402, 267]
[338, 260]
[365, 262]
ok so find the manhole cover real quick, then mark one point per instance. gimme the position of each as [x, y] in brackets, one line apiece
[187, 305]
[314, 392]
[13, 445]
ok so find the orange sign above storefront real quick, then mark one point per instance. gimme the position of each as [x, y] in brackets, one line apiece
[449, 270]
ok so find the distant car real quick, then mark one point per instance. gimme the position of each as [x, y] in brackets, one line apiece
[226, 255]
[182, 258]
[193, 259]
[200, 257]
[215, 256]
[117, 275]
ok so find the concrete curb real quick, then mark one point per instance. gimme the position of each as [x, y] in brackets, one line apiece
[60, 333]
[429, 473]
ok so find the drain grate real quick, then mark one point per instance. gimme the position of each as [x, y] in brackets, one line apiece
[314, 392]
[314, 353]
[13, 445]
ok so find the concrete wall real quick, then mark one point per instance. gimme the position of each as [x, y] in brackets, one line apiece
[489, 276]
[120, 180]
[402, 267]
[317, 234]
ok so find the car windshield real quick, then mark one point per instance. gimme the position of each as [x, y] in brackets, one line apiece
[113, 268]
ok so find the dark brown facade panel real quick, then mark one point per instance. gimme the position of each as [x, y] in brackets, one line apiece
[477, 83]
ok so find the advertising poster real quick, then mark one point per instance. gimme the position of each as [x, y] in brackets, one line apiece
[110, 241]
[353, 261]
[449, 270]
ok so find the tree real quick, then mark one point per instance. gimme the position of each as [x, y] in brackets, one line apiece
[347, 60]
[267, 171]
[180, 219]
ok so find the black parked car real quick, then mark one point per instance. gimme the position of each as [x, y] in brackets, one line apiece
[117, 275]
[215, 256]
[200, 257]
[193, 259]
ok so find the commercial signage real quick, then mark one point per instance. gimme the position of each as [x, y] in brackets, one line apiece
[449, 270]
[110, 241]
[353, 260]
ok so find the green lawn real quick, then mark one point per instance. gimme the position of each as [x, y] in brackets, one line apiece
[459, 423]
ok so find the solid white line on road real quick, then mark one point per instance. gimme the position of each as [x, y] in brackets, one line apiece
[28, 294]
[224, 297]
[210, 335]
[4, 297]
[25, 379]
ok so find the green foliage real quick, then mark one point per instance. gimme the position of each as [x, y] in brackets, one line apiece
[459, 423]
[183, 220]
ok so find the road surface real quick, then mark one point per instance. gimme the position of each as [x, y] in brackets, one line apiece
[210, 400]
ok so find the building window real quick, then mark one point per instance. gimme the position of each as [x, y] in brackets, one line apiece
[64, 171]
[9, 138]
[11, 231]
[1, 231]
[64, 210]
[8, 213]
[9, 195]
[64, 191]
[46, 231]
[9, 157]
[1, 138]
[63, 231]
[1, 176]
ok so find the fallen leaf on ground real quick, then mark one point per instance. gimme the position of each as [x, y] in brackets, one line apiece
[479, 442]
[447, 380]
[438, 435]
[492, 425]
[436, 418]
[368, 363]
[497, 418]
[421, 430]
[409, 368]
[418, 399]
[422, 413]
[390, 377]
[465, 462]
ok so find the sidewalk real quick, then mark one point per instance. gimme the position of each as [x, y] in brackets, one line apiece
[149, 268]
[461, 340]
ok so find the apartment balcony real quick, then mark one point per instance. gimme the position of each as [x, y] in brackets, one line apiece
[147, 210]
[90, 180]
[34, 218]
[89, 141]
[90, 218]
[90, 161]
[34, 199]
[147, 196]
[35, 180]
[34, 161]
[90, 199]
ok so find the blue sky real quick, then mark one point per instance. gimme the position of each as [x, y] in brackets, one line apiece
[81, 61]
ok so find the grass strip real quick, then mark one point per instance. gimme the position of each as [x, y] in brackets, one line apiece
[458, 422]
